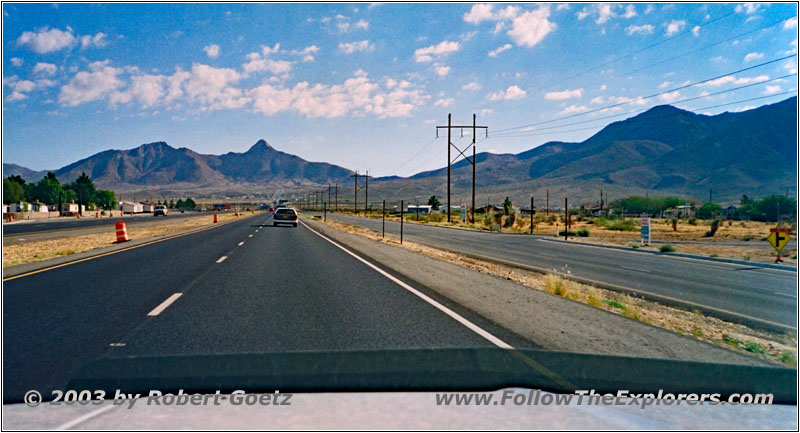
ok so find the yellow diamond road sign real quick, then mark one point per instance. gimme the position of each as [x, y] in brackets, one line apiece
[778, 240]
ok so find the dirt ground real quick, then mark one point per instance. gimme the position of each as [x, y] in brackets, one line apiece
[35, 251]
[742, 240]
[775, 347]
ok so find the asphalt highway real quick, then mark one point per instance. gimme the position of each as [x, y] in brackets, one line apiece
[762, 293]
[244, 287]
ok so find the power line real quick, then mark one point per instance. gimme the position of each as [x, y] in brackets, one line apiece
[641, 98]
[514, 133]
[617, 58]
[659, 117]
[413, 156]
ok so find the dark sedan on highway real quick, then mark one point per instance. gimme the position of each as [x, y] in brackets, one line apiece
[285, 215]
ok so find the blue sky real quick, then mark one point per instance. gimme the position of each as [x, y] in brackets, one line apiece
[363, 85]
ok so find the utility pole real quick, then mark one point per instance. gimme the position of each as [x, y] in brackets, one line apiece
[472, 161]
[383, 229]
[337, 197]
[531, 214]
[355, 192]
[566, 219]
[366, 193]
[329, 195]
[548, 201]
[401, 221]
[601, 199]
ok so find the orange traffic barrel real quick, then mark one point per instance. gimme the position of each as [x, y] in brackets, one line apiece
[122, 232]
[11, 218]
[97, 214]
[216, 218]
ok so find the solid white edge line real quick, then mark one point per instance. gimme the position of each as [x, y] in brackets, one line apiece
[460, 319]
[221, 259]
[241, 243]
[163, 306]
[88, 416]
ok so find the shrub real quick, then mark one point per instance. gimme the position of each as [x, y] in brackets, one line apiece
[621, 225]
[498, 217]
[584, 233]
[667, 248]
[714, 227]
[692, 221]
[510, 220]
[436, 218]
[566, 233]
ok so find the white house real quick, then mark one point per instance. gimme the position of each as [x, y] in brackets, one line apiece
[39, 207]
[70, 207]
[148, 207]
[424, 209]
[21, 206]
[131, 207]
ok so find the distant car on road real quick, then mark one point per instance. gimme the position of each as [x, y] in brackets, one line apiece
[160, 210]
[285, 215]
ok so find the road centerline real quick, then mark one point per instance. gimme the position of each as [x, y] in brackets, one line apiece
[221, 259]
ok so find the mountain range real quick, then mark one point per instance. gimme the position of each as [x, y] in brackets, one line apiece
[662, 151]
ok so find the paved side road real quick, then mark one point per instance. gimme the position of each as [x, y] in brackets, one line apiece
[765, 294]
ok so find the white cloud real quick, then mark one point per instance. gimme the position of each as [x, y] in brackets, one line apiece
[212, 87]
[498, 50]
[791, 23]
[630, 12]
[45, 69]
[443, 48]
[716, 59]
[562, 7]
[748, 8]
[625, 100]
[444, 102]
[596, 100]
[479, 13]
[259, 63]
[307, 53]
[529, 28]
[91, 86]
[769, 90]
[353, 47]
[696, 31]
[16, 61]
[664, 85]
[513, 92]
[603, 87]
[47, 40]
[739, 81]
[441, 70]
[148, 89]
[212, 51]
[583, 13]
[649, 9]
[574, 109]
[753, 56]
[675, 26]
[644, 29]
[361, 24]
[19, 88]
[357, 95]
[670, 96]
[98, 40]
[473, 86]
[564, 94]
[605, 11]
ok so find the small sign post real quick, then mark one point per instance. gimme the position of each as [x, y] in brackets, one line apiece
[778, 238]
[645, 223]
[463, 213]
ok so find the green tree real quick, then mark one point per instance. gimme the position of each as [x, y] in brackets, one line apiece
[17, 178]
[508, 207]
[179, 204]
[769, 206]
[69, 194]
[84, 190]
[48, 190]
[105, 199]
[171, 204]
[189, 203]
[434, 202]
[12, 191]
[708, 210]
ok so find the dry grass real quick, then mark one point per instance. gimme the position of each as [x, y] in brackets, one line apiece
[35, 251]
[776, 347]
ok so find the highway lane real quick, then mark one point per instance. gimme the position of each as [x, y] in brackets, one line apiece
[63, 223]
[762, 293]
[243, 287]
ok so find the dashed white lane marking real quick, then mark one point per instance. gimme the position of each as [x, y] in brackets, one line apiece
[241, 243]
[221, 259]
[249, 236]
[473, 327]
[635, 269]
[156, 311]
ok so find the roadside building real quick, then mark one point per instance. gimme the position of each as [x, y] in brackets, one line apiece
[39, 207]
[70, 208]
[423, 209]
[148, 207]
[20, 206]
[132, 207]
